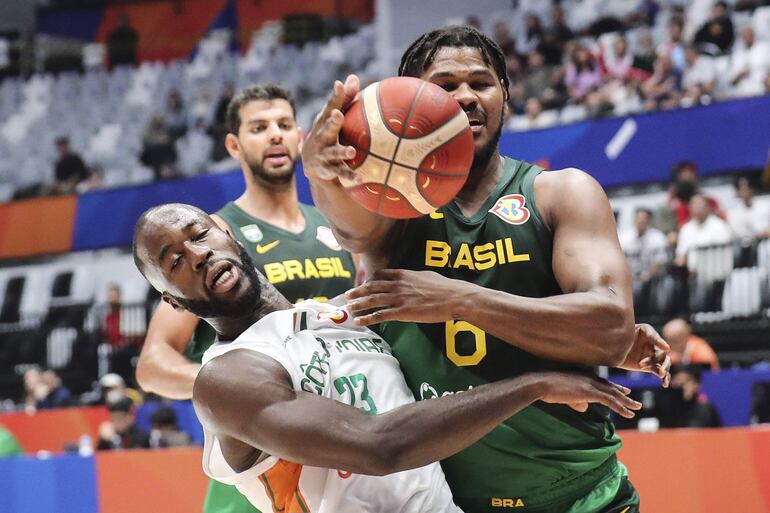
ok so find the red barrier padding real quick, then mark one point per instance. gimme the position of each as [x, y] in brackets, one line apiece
[37, 226]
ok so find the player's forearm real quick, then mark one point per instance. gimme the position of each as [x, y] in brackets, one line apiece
[420, 433]
[163, 371]
[356, 229]
[590, 328]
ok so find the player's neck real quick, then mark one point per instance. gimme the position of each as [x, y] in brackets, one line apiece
[481, 182]
[278, 206]
[230, 328]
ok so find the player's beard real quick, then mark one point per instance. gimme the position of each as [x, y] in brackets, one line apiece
[276, 178]
[214, 308]
[482, 157]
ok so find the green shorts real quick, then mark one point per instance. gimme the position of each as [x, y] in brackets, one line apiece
[222, 498]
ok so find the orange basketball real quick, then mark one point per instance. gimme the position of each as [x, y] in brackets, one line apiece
[414, 147]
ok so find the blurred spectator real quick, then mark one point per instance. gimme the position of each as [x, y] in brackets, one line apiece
[219, 127]
[644, 57]
[113, 388]
[748, 219]
[33, 387]
[158, 151]
[175, 115]
[121, 431]
[110, 325]
[619, 66]
[559, 28]
[687, 348]
[95, 180]
[674, 45]
[52, 393]
[661, 90]
[683, 184]
[502, 37]
[473, 21]
[122, 43]
[9, 446]
[644, 245]
[70, 168]
[202, 108]
[533, 117]
[530, 37]
[750, 64]
[538, 82]
[699, 78]
[704, 229]
[696, 411]
[716, 36]
[165, 430]
[582, 74]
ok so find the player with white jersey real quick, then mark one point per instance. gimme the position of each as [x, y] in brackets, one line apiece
[305, 411]
[326, 354]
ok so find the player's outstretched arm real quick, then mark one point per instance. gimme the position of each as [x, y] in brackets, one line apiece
[591, 323]
[248, 397]
[323, 160]
[162, 368]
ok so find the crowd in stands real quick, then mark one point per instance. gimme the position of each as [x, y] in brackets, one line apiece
[567, 61]
[645, 56]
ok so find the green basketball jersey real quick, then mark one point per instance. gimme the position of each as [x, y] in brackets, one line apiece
[545, 452]
[306, 265]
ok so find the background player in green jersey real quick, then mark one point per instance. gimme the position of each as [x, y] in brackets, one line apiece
[291, 244]
[521, 272]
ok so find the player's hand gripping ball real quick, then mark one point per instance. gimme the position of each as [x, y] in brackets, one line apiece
[414, 147]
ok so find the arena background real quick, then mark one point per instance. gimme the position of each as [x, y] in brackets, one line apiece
[61, 249]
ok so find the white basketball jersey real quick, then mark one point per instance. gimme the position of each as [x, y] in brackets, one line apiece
[325, 353]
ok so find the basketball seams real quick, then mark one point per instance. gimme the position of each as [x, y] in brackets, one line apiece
[412, 106]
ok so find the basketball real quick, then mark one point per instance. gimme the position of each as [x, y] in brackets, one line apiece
[414, 147]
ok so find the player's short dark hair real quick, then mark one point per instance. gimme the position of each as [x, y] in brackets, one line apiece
[124, 404]
[143, 221]
[252, 94]
[419, 56]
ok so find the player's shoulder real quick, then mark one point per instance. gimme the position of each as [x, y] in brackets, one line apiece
[562, 189]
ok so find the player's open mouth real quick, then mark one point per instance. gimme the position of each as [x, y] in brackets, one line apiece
[222, 277]
[477, 123]
[277, 158]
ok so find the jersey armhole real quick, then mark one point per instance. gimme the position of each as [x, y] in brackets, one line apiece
[528, 187]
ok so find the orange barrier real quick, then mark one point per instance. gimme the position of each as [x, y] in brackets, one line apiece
[167, 29]
[37, 226]
[147, 480]
[251, 14]
[49, 430]
[700, 470]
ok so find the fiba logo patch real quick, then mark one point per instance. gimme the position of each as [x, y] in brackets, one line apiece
[427, 392]
[252, 233]
[511, 209]
[337, 316]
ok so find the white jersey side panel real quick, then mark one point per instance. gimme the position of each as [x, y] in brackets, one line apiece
[326, 354]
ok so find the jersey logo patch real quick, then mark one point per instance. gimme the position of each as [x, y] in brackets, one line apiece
[252, 233]
[511, 209]
[337, 316]
[325, 235]
[267, 247]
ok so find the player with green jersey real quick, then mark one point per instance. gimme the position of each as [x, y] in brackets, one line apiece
[290, 243]
[522, 271]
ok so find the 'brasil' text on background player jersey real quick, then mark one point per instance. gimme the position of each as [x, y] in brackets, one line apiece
[326, 354]
[546, 452]
[305, 265]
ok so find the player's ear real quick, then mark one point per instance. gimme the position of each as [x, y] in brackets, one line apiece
[232, 146]
[171, 300]
[301, 138]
